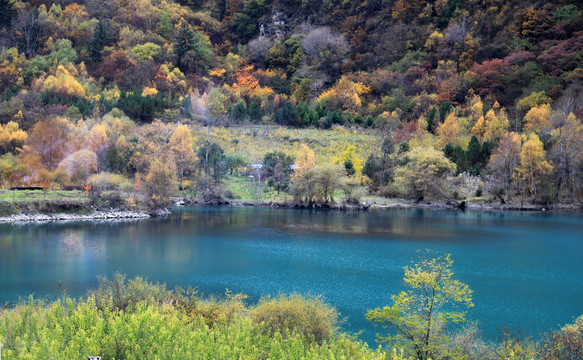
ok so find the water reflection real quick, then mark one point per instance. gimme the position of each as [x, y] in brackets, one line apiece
[73, 242]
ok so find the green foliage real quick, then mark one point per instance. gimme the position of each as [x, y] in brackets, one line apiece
[410, 59]
[444, 109]
[35, 68]
[99, 41]
[472, 160]
[290, 314]
[213, 160]
[63, 52]
[127, 295]
[165, 27]
[420, 313]
[349, 167]
[568, 15]
[532, 100]
[239, 111]
[277, 165]
[159, 324]
[244, 25]
[147, 51]
[254, 111]
[139, 107]
[287, 115]
[192, 49]
[421, 170]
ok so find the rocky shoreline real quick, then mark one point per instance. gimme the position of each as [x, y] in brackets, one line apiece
[96, 215]
[401, 204]
[113, 214]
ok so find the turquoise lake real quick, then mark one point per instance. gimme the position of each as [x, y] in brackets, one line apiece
[526, 269]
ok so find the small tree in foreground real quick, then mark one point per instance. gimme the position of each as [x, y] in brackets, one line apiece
[418, 315]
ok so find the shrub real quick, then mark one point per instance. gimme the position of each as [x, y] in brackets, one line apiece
[107, 181]
[67, 329]
[117, 294]
[566, 343]
[308, 316]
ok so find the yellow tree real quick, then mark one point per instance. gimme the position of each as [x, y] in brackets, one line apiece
[305, 161]
[422, 171]
[533, 167]
[97, 142]
[432, 298]
[97, 138]
[350, 154]
[346, 95]
[505, 159]
[538, 119]
[79, 165]
[183, 153]
[477, 108]
[49, 141]
[567, 153]
[160, 183]
[11, 137]
[497, 125]
[449, 131]
[479, 130]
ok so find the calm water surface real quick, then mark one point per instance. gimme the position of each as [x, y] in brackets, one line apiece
[526, 269]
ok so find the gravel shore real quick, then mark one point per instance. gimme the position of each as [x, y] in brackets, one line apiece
[97, 215]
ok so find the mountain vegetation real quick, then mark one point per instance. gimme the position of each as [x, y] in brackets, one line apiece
[458, 99]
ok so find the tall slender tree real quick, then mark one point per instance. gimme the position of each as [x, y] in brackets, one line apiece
[99, 41]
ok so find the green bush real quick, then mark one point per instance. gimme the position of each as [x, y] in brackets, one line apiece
[286, 314]
[119, 294]
[68, 329]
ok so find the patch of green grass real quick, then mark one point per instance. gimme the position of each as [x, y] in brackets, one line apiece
[39, 195]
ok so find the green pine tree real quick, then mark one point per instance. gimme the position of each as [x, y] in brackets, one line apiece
[164, 26]
[192, 49]
[183, 41]
[99, 41]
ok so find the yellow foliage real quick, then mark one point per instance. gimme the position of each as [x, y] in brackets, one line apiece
[11, 136]
[433, 40]
[304, 161]
[97, 138]
[350, 153]
[345, 95]
[149, 91]
[477, 110]
[533, 166]
[480, 128]
[64, 84]
[217, 72]
[449, 131]
[497, 126]
[538, 119]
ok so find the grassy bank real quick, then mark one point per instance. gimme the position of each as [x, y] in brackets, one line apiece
[38, 201]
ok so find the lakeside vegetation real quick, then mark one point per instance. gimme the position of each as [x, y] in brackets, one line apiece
[127, 319]
[440, 101]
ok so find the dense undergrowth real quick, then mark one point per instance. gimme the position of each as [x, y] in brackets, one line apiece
[137, 319]
[140, 320]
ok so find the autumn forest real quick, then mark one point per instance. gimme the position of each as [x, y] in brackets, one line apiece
[323, 101]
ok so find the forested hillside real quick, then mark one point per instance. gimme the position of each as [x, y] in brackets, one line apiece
[433, 99]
